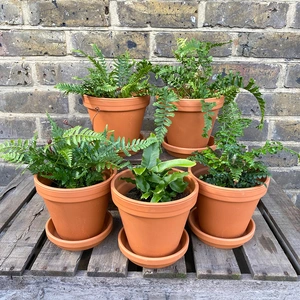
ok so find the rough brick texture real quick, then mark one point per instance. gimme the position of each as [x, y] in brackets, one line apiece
[246, 14]
[37, 38]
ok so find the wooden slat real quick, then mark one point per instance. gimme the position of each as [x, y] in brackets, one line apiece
[13, 197]
[106, 259]
[177, 270]
[53, 261]
[214, 263]
[22, 237]
[284, 219]
[265, 257]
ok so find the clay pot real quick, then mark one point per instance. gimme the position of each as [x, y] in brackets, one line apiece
[152, 229]
[123, 115]
[187, 125]
[79, 213]
[226, 212]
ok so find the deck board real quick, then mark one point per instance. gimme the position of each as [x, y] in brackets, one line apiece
[53, 261]
[214, 263]
[284, 218]
[22, 237]
[266, 259]
[13, 197]
[107, 259]
[176, 270]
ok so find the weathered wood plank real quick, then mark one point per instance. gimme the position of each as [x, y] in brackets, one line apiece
[214, 263]
[176, 270]
[53, 261]
[20, 240]
[284, 219]
[265, 257]
[13, 197]
[106, 258]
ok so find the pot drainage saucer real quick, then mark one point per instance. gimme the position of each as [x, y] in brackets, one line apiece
[153, 262]
[185, 152]
[80, 244]
[223, 243]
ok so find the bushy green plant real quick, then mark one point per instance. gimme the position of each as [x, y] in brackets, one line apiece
[128, 77]
[153, 177]
[232, 164]
[192, 78]
[73, 157]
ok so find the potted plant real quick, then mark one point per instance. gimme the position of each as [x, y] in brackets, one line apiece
[154, 201]
[116, 97]
[231, 181]
[72, 173]
[188, 104]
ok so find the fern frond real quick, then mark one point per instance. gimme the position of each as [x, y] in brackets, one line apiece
[165, 109]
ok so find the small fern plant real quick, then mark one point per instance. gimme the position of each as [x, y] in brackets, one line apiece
[192, 78]
[73, 157]
[128, 78]
[154, 178]
[232, 165]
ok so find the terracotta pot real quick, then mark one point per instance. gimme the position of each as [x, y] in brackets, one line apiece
[78, 213]
[152, 229]
[226, 212]
[123, 115]
[187, 125]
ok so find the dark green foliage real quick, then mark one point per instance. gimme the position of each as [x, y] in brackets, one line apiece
[153, 177]
[128, 78]
[232, 165]
[193, 78]
[74, 157]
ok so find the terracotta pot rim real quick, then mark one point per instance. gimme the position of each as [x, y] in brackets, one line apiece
[203, 183]
[37, 180]
[138, 203]
[116, 104]
[73, 195]
[194, 105]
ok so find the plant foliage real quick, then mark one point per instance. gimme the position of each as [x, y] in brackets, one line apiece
[128, 78]
[232, 164]
[154, 179]
[73, 157]
[192, 78]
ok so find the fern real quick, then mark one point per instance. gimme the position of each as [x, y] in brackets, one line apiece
[231, 165]
[164, 111]
[193, 78]
[73, 157]
[127, 79]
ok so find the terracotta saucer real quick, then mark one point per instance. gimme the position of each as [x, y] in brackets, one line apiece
[185, 152]
[82, 244]
[153, 262]
[217, 242]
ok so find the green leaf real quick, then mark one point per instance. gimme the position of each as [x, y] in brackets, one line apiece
[166, 165]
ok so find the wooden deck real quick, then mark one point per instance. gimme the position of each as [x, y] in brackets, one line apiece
[272, 255]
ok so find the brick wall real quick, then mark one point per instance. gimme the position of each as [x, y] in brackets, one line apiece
[37, 38]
